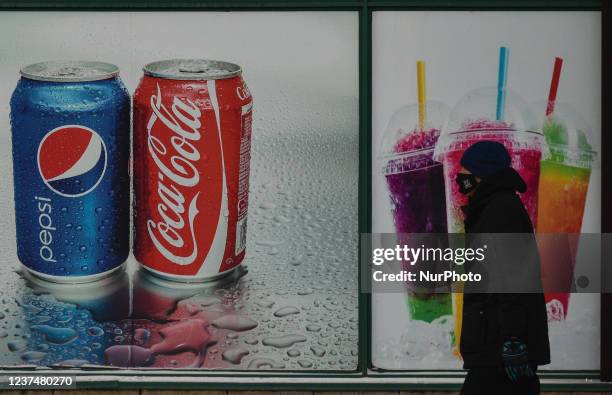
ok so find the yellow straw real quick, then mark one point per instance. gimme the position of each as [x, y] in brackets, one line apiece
[421, 93]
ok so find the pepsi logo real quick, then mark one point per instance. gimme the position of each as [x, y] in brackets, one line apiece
[72, 160]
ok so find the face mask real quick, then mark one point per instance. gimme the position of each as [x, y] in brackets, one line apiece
[467, 182]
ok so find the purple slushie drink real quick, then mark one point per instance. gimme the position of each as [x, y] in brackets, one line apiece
[416, 190]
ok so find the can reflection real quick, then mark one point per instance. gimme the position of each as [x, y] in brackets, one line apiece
[107, 299]
[180, 325]
[134, 320]
[72, 324]
[158, 299]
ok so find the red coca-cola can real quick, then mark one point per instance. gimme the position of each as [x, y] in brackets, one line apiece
[192, 144]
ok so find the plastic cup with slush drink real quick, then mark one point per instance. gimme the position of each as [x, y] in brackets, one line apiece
[564, 182]
[416, 185]
[495, 114]
[522, 142]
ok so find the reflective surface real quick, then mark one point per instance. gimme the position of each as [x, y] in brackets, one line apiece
[302, 224]
[295, 309]
[134, 319]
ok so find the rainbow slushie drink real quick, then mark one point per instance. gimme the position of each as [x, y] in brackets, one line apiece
[564, 182]
[474, 119]
[416, 190]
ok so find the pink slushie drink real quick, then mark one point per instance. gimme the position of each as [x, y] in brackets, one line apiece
[525, 160]
[517, 132]
[474, 119]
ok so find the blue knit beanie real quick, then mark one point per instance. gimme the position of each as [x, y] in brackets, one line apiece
[485, 158]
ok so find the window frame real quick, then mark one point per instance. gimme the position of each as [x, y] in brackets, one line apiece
[365, 377]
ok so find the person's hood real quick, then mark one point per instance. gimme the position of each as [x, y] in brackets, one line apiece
[507, 180]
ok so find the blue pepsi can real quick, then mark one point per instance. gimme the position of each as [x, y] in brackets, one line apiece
[71, 147]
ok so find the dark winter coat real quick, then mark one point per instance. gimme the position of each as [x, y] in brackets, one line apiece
[491, 318]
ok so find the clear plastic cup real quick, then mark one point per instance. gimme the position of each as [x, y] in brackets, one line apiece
[564, 182]
[415, 182]
[473, 119]
[416, 189]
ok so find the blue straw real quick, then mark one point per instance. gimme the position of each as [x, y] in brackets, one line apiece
[501, 83]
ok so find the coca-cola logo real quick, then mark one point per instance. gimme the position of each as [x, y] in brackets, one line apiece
[174, 153]
[243, 92]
